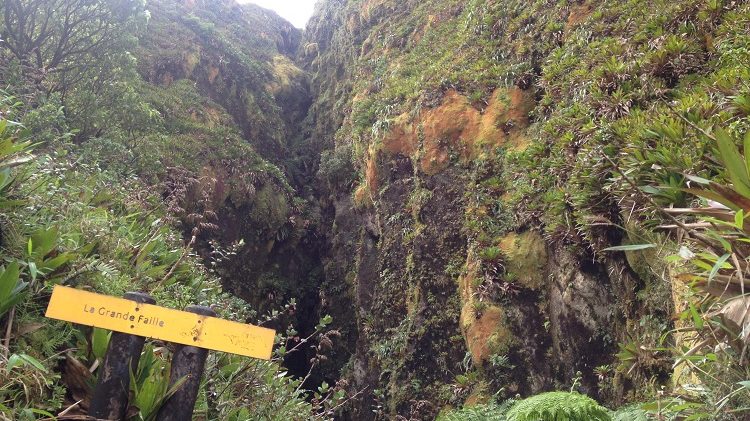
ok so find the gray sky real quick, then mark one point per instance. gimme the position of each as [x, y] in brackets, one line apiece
[295, 11]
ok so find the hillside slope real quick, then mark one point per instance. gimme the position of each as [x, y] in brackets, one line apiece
[222, 77]
[245, 103]
[161, 167]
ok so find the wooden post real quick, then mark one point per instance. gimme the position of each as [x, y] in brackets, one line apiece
[110, 400]
[187, 362]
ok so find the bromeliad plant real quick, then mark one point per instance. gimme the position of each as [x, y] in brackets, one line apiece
[715, 246]
[12, 153]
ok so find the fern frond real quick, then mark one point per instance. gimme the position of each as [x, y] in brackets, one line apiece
[558, 406]
[108, 270]
[630, 413]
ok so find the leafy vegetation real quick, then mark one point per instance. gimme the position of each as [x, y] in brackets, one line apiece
[494, 198]
[558, 406]
[486, 412]
[122, 193]
[111, 235]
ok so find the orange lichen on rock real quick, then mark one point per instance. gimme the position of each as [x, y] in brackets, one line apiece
[466, 290]
[362, 196]
[483, 326]
[488, 131]
[450, 120]
[488, 335]
[213, 72]
[478, 396]
[459, 127]
[371, 174]
[521, 104]
[447, 127]
[578, 14]
[402, 139]
[512, 116]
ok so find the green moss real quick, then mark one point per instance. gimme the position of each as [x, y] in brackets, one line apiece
[526, 258]
[270, 207]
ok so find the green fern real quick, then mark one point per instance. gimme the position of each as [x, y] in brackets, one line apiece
[108, 270]
[630, 413]
[558, 406]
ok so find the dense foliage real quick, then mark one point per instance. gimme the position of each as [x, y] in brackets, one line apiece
[111, 183]
[494, 198]
[558, 406]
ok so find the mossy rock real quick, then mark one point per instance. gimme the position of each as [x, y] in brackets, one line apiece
[270, 207]
[558, 406]
[488, 335]
[480, 395]
[286, 76]
[526, 257]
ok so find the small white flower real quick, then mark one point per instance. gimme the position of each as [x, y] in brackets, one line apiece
[685, 253]
[716, 205]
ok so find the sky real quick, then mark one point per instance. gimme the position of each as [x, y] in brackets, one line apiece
[295, 11]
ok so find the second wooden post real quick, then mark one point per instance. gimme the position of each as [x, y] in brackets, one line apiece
[188, 363]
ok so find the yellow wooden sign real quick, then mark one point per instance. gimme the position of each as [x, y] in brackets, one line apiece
[121, 315]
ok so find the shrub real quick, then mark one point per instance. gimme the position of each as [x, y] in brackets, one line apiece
[336, 168]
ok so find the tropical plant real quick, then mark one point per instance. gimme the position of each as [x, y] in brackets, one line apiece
[630, 413]
[714, 249]
[558, 406]
[15, 150]
[150, 384]
[12, 288]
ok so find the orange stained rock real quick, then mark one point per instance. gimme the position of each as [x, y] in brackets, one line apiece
[486, 333]
[578, 14]
[213, 72]
[457, 126]
[371, 174]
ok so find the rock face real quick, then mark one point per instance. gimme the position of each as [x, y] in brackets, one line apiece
[471, 236]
